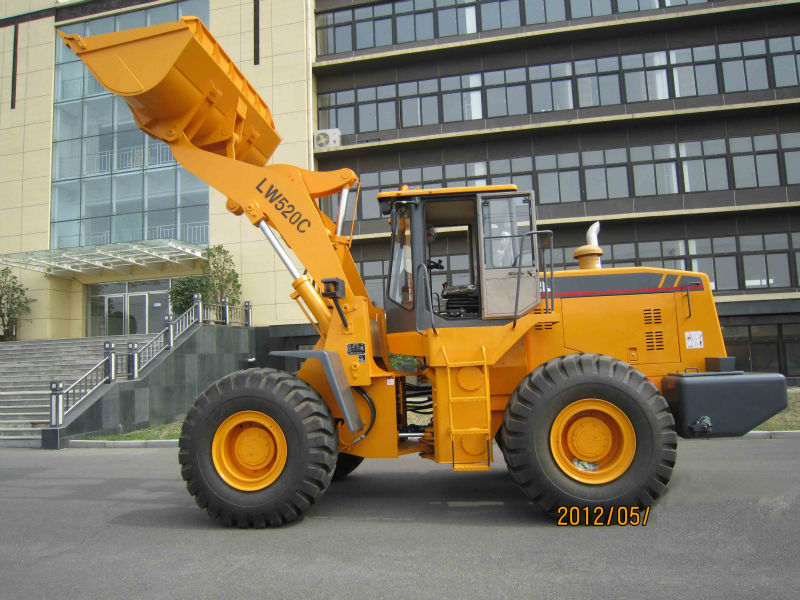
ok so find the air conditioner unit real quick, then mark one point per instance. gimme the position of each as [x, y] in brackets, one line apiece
[324, 139]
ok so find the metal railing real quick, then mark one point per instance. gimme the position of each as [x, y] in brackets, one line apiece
[144, 356]
[63, 400]
[186, 320]
[130, 365]
[86, 384]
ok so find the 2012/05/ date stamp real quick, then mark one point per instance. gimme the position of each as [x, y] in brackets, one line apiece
[602, 516]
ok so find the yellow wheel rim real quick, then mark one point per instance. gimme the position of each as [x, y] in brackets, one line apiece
[249, 450]
[593, 441]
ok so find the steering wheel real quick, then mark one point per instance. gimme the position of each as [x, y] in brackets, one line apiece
[434, 265]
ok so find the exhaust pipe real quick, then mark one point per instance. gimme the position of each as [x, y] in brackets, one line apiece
[591, 234]
[588, 256]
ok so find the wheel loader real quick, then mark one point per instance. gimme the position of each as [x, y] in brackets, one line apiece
[583, 378]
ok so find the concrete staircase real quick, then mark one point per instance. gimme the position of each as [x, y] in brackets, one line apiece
[26, 370]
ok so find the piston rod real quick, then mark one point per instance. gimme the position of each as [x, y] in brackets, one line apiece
[267, 231]
[342, 210]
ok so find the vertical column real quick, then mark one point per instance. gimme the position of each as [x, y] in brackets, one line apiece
[56, 403]
[248, 314]
[133, 360]
[198, 303]
[110, 366]
[169, 324]
[225, 319]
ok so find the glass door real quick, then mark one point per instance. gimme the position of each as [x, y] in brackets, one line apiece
[158, 308]
[97, 316]
[137, 314]
[115, 315]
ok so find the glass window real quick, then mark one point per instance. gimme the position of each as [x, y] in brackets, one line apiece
[95, 135]
[503, 245]
[704, 174]
[194, 8]
[162, 14]
[129, 153]
[69, 81]
[67, 121]
[97, 153]
[126, 227]
[131, 20]
[160, 189]
[193, 191]
[66, 201]
[128, 196]
[66, 159]
[63, 53]
[544, 11]
[193, 224]
[123, 117]
[65, 234]
[401, 277]
[160, 224]
[96, 232]
[96, 197]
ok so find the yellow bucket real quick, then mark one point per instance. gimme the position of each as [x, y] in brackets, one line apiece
[177, 81]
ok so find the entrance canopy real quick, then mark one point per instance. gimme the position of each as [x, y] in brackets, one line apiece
[106, 259]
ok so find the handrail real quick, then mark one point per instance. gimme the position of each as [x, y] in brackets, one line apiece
[166, 338]
[153, 348]
[214, 313]
[186, 320]
[85, 385]
[549, 300]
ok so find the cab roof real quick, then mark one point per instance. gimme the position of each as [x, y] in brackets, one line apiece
[406, 193]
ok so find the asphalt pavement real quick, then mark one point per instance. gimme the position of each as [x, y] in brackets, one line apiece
[119, 523]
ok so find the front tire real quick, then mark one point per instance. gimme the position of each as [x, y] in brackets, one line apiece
[589, 430]
[258, 448]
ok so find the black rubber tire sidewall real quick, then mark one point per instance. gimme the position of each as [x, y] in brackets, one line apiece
[530, 416]
[306, 424]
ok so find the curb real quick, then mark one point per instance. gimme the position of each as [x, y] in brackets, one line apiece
[122, 444]
[772, 435]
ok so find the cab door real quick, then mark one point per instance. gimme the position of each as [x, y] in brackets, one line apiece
[507, 249]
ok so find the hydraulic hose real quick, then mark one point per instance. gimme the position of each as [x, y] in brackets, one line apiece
[372, 415]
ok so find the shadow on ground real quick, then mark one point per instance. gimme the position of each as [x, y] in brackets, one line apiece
[442, 497]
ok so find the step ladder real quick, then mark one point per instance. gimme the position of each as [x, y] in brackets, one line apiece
[470, 430]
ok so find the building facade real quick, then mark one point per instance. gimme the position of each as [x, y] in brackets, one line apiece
[97, 218]
[673, 122]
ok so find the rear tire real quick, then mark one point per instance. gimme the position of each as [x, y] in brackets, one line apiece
[346, 464]
[258, 448]
[589, 430]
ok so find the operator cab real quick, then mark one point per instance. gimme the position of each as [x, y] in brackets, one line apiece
[460, 257]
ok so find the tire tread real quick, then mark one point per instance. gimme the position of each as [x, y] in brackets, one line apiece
[542, 385]
[318, 428]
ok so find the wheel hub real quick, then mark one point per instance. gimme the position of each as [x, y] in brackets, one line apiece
[254, 447]
[249, 450]
[590, 438]
[592, 441]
